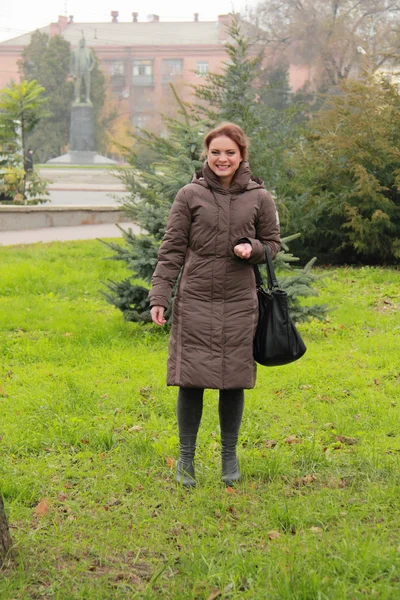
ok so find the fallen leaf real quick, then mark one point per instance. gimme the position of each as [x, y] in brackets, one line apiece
[215, 594]
[273, 535]
[271, 443]
[114, 502]
[292, 439]
[68, 334]
[145, 391]
[104, 396]
[316, 529]
[306, 387]
[42, 508]
[377, 382]
[346, 440]
[3, 393]
[228, 588]
[62, 497]
[229, 489]
[171, 462]
[307, 480]
[135, 428]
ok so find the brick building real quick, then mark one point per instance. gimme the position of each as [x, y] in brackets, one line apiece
[141, 58]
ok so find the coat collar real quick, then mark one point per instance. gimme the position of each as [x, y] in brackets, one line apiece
[243, 180]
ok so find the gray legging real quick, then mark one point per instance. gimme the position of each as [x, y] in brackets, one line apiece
[190, 408]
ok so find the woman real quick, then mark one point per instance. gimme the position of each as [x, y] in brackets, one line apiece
[216, 230]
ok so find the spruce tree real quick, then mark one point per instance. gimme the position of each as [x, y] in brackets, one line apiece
[231, 95]
[243, 93]
[152, 189]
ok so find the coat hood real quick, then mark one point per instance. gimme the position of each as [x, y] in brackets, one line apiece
[243, 180]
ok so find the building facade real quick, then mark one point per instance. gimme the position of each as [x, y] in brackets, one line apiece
[141, 59]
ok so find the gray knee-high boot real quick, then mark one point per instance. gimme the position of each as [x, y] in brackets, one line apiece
[185, 465]
[189, 411]
[231, 405]
[230, 463]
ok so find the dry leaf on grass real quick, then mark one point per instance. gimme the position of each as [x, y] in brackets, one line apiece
[346, 440]
[135, 428]
[171, 462]
[273, 535]
[218, 593]
[42, 508]
[316, 529]
[215, 594]
[3, 393]
[271, 443]
[306, 480]
[114, 502]
[292, 439]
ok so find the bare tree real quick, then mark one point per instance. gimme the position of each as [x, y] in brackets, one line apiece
[333, 37]
[5, 539]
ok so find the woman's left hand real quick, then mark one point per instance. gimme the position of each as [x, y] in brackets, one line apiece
[243, 250]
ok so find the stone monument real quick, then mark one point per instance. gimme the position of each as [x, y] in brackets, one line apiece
[82, 134]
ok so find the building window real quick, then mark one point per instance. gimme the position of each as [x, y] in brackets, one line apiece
[142, 72]
[117, 76]
[171, 68]
[115, 67]
[142, 98]
[140, 120]
[142, 67]
[202, 68]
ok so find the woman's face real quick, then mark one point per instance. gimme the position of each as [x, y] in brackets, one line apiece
[224, 157]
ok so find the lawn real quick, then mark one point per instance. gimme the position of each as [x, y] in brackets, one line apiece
[88, 441]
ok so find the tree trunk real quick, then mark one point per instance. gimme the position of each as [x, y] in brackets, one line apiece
[5, 539]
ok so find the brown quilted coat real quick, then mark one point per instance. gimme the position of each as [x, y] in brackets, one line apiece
[215, 308]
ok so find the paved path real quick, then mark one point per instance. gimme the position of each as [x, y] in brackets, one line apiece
[83, 197]
[63, 234]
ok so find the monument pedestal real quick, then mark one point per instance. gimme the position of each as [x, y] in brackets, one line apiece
[82, 139]
[82, 128]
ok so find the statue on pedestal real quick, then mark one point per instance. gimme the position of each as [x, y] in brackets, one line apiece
[81, 65]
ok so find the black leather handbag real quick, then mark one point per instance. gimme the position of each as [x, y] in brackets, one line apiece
[277, 341]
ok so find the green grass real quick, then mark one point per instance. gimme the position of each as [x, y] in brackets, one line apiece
[87, 423]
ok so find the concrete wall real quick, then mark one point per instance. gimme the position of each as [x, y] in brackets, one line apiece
[35, 217]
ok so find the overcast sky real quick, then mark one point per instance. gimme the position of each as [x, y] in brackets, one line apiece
[20, 16]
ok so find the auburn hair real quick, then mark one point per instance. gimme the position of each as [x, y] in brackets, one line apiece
[233, 132]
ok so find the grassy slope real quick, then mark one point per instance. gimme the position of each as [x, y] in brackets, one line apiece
[88, 425]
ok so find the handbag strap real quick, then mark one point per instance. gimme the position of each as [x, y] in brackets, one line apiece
[272, 280]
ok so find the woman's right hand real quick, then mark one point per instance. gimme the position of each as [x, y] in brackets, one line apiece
[157, 315]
